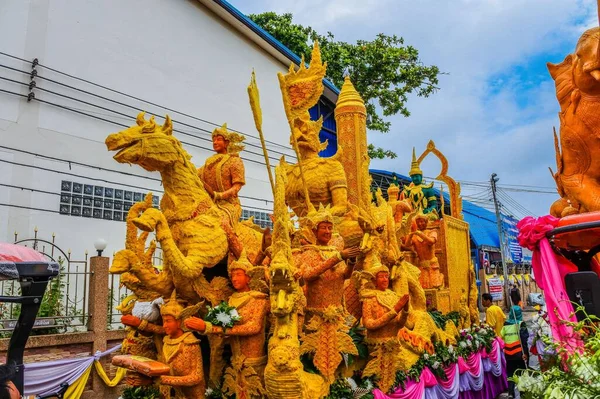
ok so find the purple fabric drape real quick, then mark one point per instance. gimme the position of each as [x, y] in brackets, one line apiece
[480, 376]
[46, 377]
[447, 389]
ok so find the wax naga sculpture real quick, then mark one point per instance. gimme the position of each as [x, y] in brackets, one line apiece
[284, 375]
[577, 81]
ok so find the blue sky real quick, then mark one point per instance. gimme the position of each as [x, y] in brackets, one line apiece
[496, 106]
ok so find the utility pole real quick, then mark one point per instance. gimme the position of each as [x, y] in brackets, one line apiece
[493, 180]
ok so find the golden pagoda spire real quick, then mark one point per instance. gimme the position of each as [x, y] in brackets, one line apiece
[349, 97]
[414, 166]
[351, 121]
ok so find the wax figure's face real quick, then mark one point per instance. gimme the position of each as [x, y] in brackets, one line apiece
[220, 144]
[239, 280]
[382, 281]
[417, 179]
[171, 325]
[324, 232]
[421, 223]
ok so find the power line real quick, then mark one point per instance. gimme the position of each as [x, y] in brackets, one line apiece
[132, 97]
[34, 190]
[521, 209]
[28, 208]
[290, 155]
[505, 187]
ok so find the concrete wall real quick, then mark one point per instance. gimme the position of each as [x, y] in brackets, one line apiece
[176, 54]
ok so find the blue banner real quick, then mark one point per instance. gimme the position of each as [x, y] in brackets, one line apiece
[513, 251]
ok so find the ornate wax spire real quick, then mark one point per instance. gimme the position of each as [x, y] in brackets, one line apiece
[414, 166]
[351, 120]
[350, 97]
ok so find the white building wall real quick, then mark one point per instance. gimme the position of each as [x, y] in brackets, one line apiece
[176, 54]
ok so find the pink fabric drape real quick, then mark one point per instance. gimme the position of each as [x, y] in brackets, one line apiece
[550, 270]
[470, 370]
[414, 390]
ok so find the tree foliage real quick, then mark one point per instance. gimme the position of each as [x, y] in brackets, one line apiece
[384, 70]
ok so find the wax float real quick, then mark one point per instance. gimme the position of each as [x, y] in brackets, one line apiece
[566, 243]
[340, 297]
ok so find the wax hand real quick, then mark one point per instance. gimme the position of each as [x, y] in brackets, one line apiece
[209, 190]
[131, 320]
[195, 323]
[162, 379]
[402, 303]
[351, 252]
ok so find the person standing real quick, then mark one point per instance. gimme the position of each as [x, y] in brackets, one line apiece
[515, 296]
[515, 336]
[494, 316]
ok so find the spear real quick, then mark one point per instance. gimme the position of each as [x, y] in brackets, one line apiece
[257, 112]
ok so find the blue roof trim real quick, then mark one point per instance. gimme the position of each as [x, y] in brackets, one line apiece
[482, 223]
[269, 38]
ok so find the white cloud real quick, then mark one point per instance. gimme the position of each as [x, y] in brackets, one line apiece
[486, 118]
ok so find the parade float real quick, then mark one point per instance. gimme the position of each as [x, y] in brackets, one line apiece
[566, 243]
[350, 295]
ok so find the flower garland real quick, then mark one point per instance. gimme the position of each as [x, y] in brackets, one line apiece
[469, 341]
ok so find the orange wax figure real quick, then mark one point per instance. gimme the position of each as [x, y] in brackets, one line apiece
[323, 268]
[322, 265]
[181, 351]
[423, 241]
[244, 379]
[223, 173]
[384, 314]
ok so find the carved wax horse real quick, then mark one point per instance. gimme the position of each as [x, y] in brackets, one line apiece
[188, 226]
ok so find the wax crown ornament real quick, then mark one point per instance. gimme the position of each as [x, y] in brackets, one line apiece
[302, 89]
[414, 165]
[421, 215]
[242, 263]
[392, 192]
[172, 307]
[323, 214]
[375, 267]
[234, 139]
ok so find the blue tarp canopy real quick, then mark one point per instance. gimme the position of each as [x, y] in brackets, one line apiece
[482, 223]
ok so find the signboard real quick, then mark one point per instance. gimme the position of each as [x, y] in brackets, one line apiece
[513, 251]
[495, 288]
[527, 256]
[38, 323]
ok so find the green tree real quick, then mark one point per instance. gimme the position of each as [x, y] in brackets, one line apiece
[384, 71]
